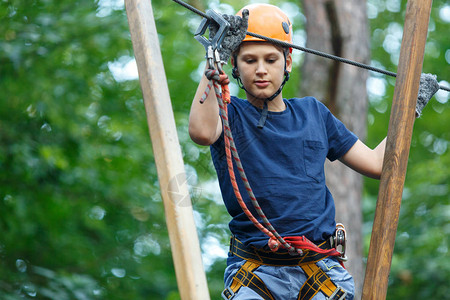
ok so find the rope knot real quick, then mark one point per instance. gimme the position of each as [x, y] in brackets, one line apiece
[223, 79]
[212, 74]
[217, 77]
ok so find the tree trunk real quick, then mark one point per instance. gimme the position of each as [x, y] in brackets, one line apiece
[341, 28]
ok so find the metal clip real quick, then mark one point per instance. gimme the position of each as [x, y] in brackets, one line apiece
[212, 45]
[340, 239]
[210, 56]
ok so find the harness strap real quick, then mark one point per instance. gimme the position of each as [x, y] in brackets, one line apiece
[245, 277]
[317, 281]
[269, 258]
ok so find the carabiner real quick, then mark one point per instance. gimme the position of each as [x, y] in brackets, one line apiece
[340, 239]
[212, 45]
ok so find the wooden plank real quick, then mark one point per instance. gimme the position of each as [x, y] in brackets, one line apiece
[397, 149]
[184, 241]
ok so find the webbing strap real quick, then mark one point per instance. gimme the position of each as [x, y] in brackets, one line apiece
[269, 258]
[245, 277]
[317, 281]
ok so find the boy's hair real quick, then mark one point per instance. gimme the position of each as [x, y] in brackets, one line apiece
[285, 50]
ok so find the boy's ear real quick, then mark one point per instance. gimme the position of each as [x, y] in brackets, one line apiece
[289, 62]
[234, 71]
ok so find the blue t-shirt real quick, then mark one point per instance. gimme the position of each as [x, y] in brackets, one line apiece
[284, 163]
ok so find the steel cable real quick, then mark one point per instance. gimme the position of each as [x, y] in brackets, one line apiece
[307, 50]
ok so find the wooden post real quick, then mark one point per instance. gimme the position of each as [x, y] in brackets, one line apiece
[397, 149]
[184, 241]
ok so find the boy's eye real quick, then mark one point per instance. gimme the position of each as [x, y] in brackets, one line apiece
[249, 61]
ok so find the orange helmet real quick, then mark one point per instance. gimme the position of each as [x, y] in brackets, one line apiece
[267, 20]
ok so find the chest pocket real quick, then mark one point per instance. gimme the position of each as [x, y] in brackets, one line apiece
[314, 154]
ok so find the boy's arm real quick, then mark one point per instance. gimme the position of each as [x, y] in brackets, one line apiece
[370, 162]
[364, 160]
[205, 125]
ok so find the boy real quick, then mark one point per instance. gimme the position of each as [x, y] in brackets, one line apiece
[282, 145]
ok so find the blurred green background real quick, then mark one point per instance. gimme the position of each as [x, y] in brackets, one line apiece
[81, 215]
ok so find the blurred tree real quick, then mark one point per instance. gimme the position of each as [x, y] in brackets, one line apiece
[341, 28]
[80, 214]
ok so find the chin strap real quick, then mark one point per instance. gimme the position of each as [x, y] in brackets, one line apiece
[265, 110]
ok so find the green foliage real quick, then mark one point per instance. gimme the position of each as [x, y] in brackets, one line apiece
[81, 216]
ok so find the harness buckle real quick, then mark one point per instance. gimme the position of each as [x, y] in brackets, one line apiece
[335, 294]
[227, 293]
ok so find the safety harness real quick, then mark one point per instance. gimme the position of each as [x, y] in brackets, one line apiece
[317, 281]
[299, 251]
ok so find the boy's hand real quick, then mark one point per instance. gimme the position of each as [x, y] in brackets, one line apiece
[235, 35]
[427, 88]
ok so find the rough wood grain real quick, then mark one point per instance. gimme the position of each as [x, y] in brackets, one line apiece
[184, 241]
[397, 149]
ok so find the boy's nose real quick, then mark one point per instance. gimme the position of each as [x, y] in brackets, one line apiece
[261, 68]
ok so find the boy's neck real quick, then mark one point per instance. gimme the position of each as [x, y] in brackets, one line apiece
[275, 105]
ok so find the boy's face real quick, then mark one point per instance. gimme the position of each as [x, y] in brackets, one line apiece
[261, 68]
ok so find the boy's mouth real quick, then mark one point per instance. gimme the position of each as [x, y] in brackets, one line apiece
[262, 83]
